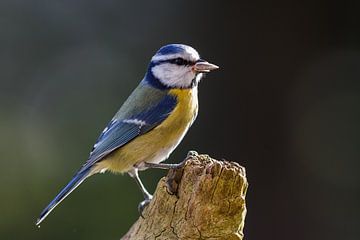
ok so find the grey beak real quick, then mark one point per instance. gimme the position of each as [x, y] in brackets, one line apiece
[204, 66]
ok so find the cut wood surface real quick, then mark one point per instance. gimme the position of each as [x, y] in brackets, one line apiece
[203, 200]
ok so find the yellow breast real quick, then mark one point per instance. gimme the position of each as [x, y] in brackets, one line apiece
[156, 145]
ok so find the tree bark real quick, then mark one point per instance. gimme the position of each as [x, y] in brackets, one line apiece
[203, 200]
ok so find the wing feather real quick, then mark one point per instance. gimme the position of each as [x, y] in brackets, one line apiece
[121, 131]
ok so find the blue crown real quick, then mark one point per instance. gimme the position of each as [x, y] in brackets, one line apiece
[171, 49]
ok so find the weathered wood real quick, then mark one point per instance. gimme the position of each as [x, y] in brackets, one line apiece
[203, 200]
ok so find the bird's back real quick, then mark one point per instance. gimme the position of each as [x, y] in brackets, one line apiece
[141, 99]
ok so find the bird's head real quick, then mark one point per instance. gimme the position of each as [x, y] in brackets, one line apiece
[177, 66]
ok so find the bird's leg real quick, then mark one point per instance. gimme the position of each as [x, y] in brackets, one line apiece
[147, 196]
[191, 154]
[135, 175]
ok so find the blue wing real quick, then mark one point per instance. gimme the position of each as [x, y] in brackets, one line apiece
[121, 131]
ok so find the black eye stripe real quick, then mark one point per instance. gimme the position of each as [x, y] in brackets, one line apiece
[178, 61]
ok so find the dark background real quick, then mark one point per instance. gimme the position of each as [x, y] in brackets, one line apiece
[285, 104]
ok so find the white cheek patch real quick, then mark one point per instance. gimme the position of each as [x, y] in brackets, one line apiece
[173, 75]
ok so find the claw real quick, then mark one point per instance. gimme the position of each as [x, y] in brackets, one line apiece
[142, 205]
[192, 154]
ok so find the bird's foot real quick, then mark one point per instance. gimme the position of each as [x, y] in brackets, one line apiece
[190, 155]
[165, 166]
[142, 205]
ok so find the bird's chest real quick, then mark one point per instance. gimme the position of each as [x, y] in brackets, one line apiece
[183, 114]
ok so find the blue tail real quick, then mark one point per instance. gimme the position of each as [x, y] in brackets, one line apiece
[74, 183]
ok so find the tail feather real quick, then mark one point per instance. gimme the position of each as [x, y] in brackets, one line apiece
[74, 183]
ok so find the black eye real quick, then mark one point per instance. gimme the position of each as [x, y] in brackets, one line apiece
[180, 61]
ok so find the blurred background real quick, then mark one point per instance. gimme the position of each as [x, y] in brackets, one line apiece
[285, 104]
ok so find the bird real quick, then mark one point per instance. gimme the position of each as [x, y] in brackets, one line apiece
[150, 124]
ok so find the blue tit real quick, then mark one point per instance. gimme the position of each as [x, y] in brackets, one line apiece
[150, 124]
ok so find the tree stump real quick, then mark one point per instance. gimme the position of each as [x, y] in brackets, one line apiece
[203, 200]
